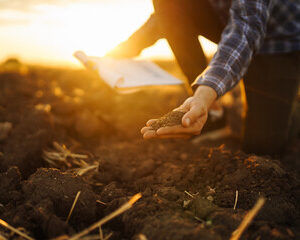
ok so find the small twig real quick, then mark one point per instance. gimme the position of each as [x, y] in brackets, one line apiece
[86, 169]
[73, 206]
[6, 225]
[90, 237]
[236, 199]
[2, 237]
[248, 219]
[104, 220]
[61, 154]
[108, 236]
[103, 203]
[142, 237]
[100, 233]
[199, 219]
[189, 194]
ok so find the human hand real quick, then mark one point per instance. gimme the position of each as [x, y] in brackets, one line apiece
[196, 112]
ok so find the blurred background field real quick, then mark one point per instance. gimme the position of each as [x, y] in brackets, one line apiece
[50, 31]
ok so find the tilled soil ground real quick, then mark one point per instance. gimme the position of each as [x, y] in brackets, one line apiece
[189, 190]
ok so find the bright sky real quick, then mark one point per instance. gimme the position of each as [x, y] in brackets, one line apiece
[50, 31]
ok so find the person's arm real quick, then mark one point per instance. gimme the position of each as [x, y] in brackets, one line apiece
[242, 37]
[144, 37]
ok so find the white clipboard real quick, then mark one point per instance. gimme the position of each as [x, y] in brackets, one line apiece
[127, 73]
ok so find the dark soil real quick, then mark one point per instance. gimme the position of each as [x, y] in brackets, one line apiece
[170, 119]
[188, 189]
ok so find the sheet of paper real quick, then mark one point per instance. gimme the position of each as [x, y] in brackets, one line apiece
[128, 73]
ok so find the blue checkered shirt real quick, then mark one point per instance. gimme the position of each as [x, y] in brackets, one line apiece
[252, 26]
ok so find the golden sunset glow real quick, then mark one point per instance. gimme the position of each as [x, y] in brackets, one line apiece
[50, 34]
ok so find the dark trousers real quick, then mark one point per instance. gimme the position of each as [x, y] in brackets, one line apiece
[271, 85]
[271, 82]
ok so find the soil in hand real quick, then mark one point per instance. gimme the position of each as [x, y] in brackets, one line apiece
[170, 119]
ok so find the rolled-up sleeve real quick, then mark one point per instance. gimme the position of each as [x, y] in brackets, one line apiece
[241, 38]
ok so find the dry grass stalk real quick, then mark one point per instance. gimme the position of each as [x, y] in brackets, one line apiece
[73, 206]
[248, 219]
[189, 194]
[62, 157]
[108, 236]
[2, 237]
[82, 171]
[142, 237]
[62, 237]
[103, 203]
[104, 220]
[100, 233]
[90, 237]
[236, 199]
[61, 154]
[6, 225]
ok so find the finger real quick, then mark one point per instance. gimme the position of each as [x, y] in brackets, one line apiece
[149, 134]
[185, 106]
[193, 115]
[175, 136]
[148, 124]
[145, 129]
[181, 108]
[194, 130]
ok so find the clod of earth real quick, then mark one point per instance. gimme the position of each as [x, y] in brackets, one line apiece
[170, 119]
[201, 208]
[5, 129]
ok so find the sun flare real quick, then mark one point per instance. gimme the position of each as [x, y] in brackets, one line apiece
[50, 34]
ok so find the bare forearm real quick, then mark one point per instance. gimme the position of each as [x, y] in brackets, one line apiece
[206, 95]
[144, 37]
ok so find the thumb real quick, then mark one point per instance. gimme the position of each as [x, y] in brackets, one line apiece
[192, 115]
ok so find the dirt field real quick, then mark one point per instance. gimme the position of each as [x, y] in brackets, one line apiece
[62, 131]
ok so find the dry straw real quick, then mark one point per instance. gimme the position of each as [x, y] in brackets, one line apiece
[73, 206]
[6, 225]
[62, 157]
[236, 199]
[104, 220]
[248, 219]
[2, 237]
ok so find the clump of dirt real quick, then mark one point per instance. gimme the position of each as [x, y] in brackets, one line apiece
[170, 119]
[26, 142]
[10, 184]
[44, 202]
[61, 189]
[201, 207]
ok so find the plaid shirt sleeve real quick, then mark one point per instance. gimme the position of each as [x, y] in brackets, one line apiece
[242, 36]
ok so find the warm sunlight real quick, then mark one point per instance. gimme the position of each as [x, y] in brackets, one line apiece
[49, 34]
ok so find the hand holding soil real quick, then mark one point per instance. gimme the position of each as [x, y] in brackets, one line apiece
[185, 121]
